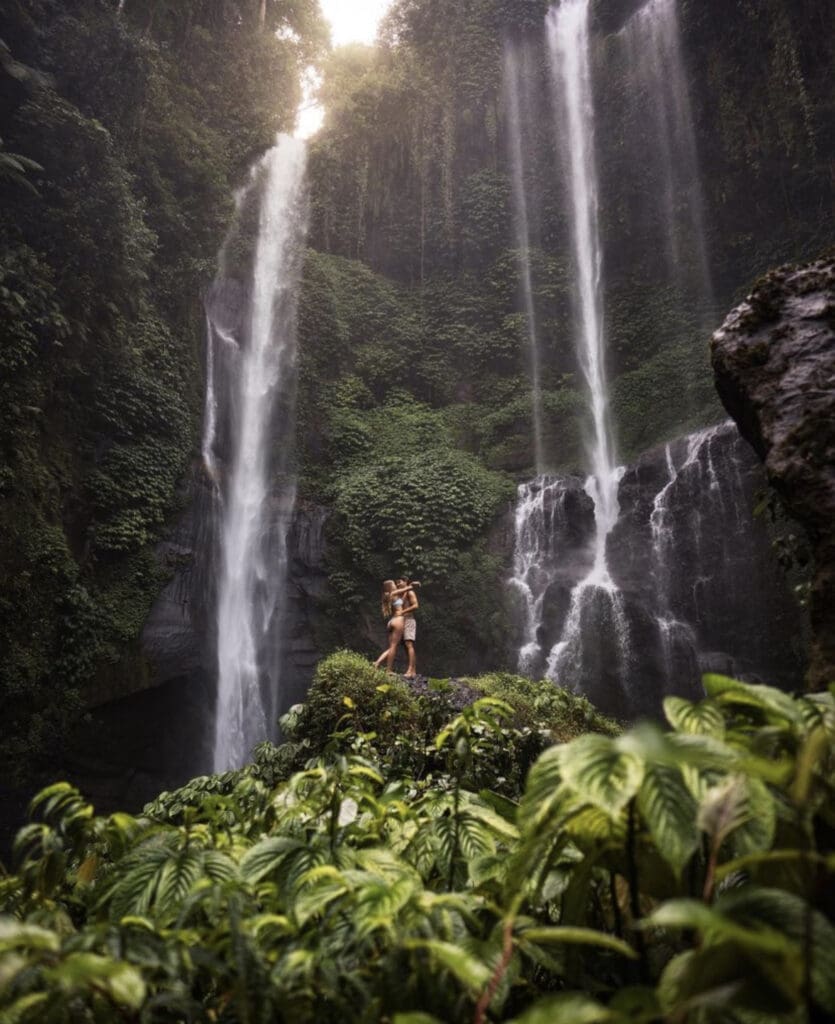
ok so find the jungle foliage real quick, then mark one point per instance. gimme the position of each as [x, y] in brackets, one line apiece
[648, 876]
[124, 133]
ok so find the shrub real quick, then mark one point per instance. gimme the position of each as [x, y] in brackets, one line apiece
[542, 704]
[344, 682]
[422, 510]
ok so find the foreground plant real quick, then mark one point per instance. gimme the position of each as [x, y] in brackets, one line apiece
[673, 876]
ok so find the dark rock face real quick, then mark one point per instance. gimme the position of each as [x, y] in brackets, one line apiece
[159, 733]
[689, 549]
[307, 585]
[774, 362]
[695, 585]
[176, 638]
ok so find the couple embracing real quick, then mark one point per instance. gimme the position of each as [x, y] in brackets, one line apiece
[399, 604]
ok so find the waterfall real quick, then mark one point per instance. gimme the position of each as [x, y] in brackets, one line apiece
[673, 632]
[513, 82]
[568, 42]
[552, 527]
[596, 604]
[662, 112]
[248, 418]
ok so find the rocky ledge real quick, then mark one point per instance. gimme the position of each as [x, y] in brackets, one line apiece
[774, 362]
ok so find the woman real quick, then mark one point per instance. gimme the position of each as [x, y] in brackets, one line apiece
[392, 609]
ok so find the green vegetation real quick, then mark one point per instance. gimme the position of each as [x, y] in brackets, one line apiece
[644, 877]
[404, 723]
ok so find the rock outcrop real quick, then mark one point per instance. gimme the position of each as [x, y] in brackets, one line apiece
[774, 362]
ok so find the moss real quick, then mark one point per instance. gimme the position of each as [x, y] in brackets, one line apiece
[542, 704]
[387, 706]
[348, 683]
[348, 696]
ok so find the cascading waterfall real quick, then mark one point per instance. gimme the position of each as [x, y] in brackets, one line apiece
[672, 631]
[661, 104]
[595, 599]
[250, 381]
[513, 81]
[548, 528]
[568, 41]
[207, 449]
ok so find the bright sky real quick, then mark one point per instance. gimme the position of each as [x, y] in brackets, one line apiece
[351, 21]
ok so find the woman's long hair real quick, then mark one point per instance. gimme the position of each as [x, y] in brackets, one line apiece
[385, 602]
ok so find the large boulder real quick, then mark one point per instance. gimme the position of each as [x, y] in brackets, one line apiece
[774, 362]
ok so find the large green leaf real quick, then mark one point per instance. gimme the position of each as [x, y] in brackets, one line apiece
[177, 878]
[570, 1008]
[543, 792]
[266, 856]
[590, 826]
[28, 1008]
[564, 935]
[702, 719]
[16, 935]
[769, 701]
[764, 909]
[740, 807]
[318, 888]
[669, 811]
[497, 823]
[601, 772]
[469, 970]
[756, 833]
[716, 925]
[82, 971]
[719, 976]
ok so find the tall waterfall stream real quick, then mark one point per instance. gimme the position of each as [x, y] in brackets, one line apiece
[251, 348]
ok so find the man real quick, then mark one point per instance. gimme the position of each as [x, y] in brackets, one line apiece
[410, 606]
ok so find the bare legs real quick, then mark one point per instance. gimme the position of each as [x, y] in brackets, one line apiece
[389, 654]
[411, 671]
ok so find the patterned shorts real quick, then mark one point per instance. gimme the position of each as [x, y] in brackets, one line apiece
[410, 628]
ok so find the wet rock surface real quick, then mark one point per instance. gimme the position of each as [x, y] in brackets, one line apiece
[695, 584]
[774, 363]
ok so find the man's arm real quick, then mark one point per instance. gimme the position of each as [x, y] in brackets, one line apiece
[412, 604]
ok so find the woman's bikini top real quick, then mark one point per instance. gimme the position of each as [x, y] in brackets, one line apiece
[397, 602]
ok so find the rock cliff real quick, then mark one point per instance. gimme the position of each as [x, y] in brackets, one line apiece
[774, 361]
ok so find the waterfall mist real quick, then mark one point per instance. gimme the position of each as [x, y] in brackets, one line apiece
[661, 117]
[515, 76]
[247, 444]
